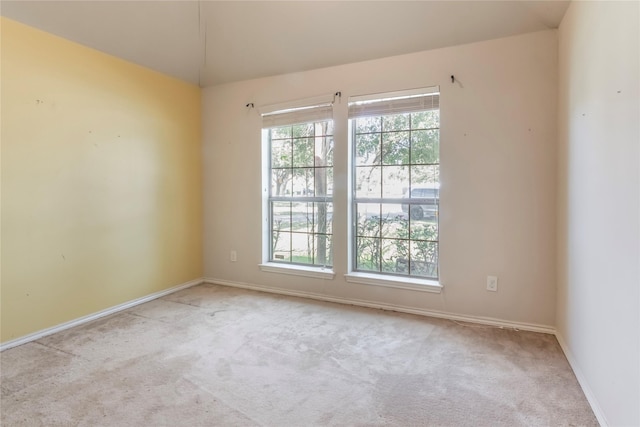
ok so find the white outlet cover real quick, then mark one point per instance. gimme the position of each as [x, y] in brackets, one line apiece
[492, 283]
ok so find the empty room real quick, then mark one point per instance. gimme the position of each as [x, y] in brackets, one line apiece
[310, 213]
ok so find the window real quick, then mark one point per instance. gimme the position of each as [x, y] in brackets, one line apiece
[299, 144]
[395, 183]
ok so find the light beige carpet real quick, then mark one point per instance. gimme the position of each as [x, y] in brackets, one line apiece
[217, 356]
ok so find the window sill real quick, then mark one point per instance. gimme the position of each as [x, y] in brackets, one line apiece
[298, 270]
[410, 283]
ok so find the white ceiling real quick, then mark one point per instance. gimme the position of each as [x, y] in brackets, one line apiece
[214, 42]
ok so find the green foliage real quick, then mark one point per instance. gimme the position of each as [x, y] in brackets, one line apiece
[393, 243]
[398, 140]
[301, 232]
[295, 151]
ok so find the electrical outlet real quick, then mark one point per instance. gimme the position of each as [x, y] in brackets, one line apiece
[233, 256]
[492, 283]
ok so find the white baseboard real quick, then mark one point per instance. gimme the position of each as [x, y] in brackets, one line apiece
[81, 320]
[582, 380]
[349, 301]
[391, 307]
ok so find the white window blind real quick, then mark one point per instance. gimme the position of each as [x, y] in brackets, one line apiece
[279, 115]
[394, 103]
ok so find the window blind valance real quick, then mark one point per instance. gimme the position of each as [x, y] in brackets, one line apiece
[394, 103]
[302, 111]
[315, 113]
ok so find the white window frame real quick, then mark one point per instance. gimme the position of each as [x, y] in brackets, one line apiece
[378, 105]
[288, 114]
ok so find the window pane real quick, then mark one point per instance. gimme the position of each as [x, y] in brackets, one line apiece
[303, 182]
[302, 248]
[302, 217]
[422, 211]
[323, 254]
[368, 124]
[281, 132]
[394, 180]
[302, 130]
[323, 215]
[389, 255]
[395, 235]
[395, 122]
[303, 152]
[367, 254]
[425, 119]
[426, 229]
[329, 182]
[368, 218]
[323, 151]
[402, 264]
[281, 241]
[281, 154]
[323, 181]
[326, 242]
[281, 216]
[395, 223]
[281, 182]
[424, 259]
[401, 260]
[324, 128]
[424, 175]
[395, 148]
[310, 248]
[310, 240]
[368, 149]
[368, 181]
[425, 147]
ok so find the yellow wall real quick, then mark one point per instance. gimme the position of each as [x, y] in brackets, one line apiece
[101, 181]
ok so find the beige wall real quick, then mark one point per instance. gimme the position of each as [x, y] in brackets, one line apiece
[498, 156]
[598, 318]
[101, 181]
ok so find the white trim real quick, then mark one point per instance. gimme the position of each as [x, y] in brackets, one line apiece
[298, 270]
[582, 380]
[90, 317]
[411, 283]
[390, 307]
